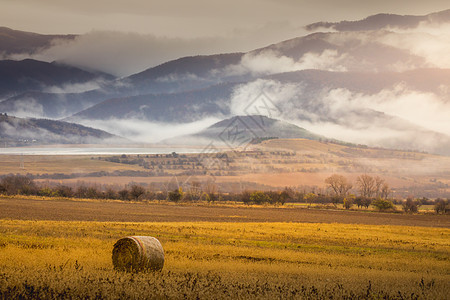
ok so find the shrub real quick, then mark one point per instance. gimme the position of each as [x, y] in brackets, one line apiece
[92, 193]
[110, 194]
[348, 201]
[259, 198]
[310, 197]
[64, 191]
[81, 192]
[47, 192]
[425, 201]
[136, 191]
[363, 201]
[441, 206]
[275, 197]
[245, 197]
[383, 205]
[160, 196]
[285, 196]
[410, 205]
[367, 202]
[337, 199]
[18, 184]
[358, 201]
[176, 195]
[124, 194]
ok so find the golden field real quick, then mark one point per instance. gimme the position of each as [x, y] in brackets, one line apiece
[234, 260]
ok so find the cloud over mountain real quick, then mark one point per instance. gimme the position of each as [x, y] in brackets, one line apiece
[383, 81]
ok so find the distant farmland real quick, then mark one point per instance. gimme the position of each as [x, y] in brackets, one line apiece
[271, 164]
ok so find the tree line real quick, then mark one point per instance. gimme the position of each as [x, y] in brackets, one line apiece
[371, 191]
[375, 191]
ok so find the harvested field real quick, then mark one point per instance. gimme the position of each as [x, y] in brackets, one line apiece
[66, 164]
[225, 260]
[27, 209]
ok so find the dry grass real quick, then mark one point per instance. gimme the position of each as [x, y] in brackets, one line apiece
[56, 259]
[301, 145]
[66, 164]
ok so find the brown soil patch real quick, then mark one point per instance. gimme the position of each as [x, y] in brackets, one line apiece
[26, 209]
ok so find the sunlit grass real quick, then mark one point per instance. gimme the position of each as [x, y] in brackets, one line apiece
[69, 257]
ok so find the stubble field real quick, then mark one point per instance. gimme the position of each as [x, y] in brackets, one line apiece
[62, 249]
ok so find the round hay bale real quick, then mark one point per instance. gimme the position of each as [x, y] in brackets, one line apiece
[138, 253]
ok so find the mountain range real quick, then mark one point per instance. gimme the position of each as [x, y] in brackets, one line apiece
[368, 81]
[28, 131]
[32, 75]
[15, 42]
[381, 21]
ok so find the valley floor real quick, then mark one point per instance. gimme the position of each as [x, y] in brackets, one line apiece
[273, 164]
[62, 249]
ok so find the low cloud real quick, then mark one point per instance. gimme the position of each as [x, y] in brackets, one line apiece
[245, 98]
[431, 42]
[173, 78]
[123, 54]
[360, 51]
[16, 132]
[394, 118]
[426, 110]
[142, 131]
[74, 87]
[27, 108]
[47, 106]
[398, 117]
[269, 62]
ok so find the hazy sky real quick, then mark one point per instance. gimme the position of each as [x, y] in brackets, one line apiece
[122, 37]
[194, 18]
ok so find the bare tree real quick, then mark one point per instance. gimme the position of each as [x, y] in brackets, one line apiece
[194, 190]
[378, 185]
[385, 191]
[339, 184]
[136, 191]
[367, 185]
[210, 190]
[124, 194]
